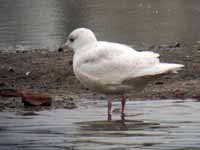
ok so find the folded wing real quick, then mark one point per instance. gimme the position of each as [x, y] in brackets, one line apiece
[111, 63]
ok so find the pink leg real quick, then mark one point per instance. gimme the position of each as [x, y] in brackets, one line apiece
[123, 103]
[109, 109]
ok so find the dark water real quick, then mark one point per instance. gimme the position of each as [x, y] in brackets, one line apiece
[26, 24]
[150, 125]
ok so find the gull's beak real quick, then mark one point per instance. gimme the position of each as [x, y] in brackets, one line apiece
[63, 47]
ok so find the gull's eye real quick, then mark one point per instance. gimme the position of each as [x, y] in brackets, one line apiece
[71, 39]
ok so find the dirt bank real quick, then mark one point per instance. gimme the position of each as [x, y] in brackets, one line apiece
[51, 72]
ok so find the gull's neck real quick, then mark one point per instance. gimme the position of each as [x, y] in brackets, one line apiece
[86, 47]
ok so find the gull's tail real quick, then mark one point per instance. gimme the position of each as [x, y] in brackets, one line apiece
[168, 67]
[160, 68]
[163, 68]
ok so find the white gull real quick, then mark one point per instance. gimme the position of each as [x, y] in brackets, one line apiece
[113, 68]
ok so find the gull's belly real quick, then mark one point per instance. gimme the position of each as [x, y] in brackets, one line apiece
[105, 87]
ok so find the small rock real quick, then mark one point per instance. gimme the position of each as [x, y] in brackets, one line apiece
[3, 129]
[152, 47]
[102, 97]
[71, 98]
[28, 73]
[70, 62]
[28, 113]
[36, 99]
[70, 105]
[87, 89]
[179, 101]
[60, 49]
[2, 84]
[177, 44]
[159, 83]
[116, 110]
[9, 93]
[197, 97]
[163, 46]
[64, 102]
[188, 58]
[10, 69]
[179, 93]
[194, 67]
[163, 97]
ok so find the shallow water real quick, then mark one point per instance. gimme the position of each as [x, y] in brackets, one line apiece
[26, 24]
[149, 125]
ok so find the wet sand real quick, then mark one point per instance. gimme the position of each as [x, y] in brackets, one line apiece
[51, 72]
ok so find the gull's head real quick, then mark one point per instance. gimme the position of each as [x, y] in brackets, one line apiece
[78, 38]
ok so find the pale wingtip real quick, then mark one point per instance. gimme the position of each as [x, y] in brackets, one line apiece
[181, 65]
[178, 67]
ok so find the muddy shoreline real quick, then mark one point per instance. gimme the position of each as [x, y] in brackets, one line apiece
[51, 72]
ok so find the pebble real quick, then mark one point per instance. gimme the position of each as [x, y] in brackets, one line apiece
[60, 49]
[10, 69]
[36, 99]
[70, 105]
[27, 113]
[176, 45]
[116, 110]
[9, 93]
[159, 83]
[2, 84]
[165, 46]
[64, 102]
[70, 62]
[28, 73]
